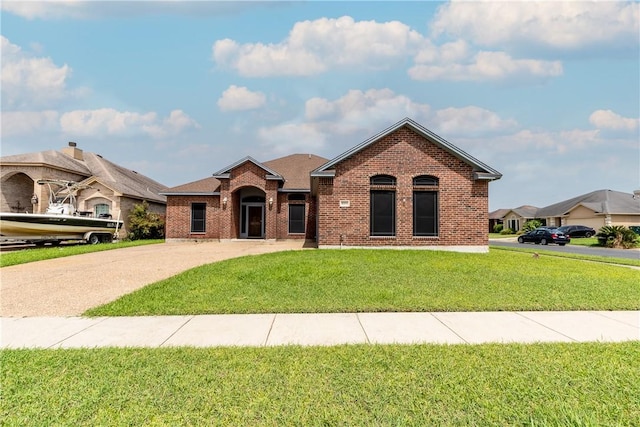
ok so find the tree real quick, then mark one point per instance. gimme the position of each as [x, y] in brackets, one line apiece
[144, 224]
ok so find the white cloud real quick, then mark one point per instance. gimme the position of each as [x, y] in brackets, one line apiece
[290, 138]
[471, 120]
[109, 122]
[29, 122]
[358, 110]
[176, 123]
[607, 119]
[48, 9]
[313, 47]
[30, 81]
[565, 25]
[496, 66]
[240, 98]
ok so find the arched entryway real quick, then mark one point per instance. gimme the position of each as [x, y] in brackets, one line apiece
[18, 192]
[252, 213]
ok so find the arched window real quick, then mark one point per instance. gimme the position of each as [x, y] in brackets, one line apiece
[383, 180]
[382, 206]
[425, 181]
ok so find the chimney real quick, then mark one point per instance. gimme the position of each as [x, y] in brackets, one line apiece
[73, 151]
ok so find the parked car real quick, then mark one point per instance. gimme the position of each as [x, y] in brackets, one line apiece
[544, 236]
[577, 230]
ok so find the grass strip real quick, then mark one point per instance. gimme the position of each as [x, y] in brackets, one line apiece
[362, 280]
[595, 258]
[38, 254]
[587, 384]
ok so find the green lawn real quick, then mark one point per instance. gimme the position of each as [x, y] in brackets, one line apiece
[486, 385]
[385, 280]
[39, 254]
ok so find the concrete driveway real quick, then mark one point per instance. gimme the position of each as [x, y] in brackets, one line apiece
[71, 285]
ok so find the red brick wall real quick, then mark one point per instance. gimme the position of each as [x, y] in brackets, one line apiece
[178, 221]
[283, 217]
[463, 202]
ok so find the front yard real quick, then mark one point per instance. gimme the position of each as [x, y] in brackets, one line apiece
[385, 280]
[586, 384]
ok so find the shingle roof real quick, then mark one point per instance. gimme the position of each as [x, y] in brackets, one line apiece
[207, 186]
[599, 201]
[296, 169]
[93, 166]
[53, 158]
[125, 181]
[499, 213]
[481, 170]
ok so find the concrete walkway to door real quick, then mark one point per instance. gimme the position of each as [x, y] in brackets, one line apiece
[71, 285]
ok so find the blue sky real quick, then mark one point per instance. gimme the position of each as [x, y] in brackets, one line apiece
[546, 93]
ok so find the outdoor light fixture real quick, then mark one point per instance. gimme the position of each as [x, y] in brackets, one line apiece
[34, 199]
[270, 201]
[224, 202]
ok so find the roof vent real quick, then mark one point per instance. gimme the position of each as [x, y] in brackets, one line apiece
[72, 144]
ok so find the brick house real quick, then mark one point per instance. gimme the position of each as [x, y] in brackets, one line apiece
[404, 187]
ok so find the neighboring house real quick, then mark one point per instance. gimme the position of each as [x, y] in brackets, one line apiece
[404, 187]
[515, 219]
[114, 189]
[595, 209]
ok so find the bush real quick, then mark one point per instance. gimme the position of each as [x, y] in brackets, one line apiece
[531, 225]
[507, 231]
[144, 224]
[498, 228]
[617, 236]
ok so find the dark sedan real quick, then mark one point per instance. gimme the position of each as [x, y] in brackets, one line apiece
[577, 230]
[544, 236]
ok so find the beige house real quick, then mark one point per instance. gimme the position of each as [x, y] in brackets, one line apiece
[114, 189]
[595, 209]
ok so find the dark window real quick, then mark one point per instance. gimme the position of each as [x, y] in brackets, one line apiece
[198, 217]
[382, 180]
[296, 219]
[425, 213]
[383, 213]
[425, 180]
[297, 196]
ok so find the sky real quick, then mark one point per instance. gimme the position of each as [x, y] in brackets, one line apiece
[547, 93]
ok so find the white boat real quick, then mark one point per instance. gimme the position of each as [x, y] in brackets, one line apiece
[61, 221]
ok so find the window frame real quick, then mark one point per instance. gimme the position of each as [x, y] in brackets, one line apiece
[198, 221]
[302, 222]
[430, 219]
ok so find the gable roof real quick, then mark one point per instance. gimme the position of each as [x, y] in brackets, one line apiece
[124, 181]
[481, 170]
[209, 186]
[600, 201]
[224, 173]
[525, 211]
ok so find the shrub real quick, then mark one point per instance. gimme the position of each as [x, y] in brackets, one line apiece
[144, 224]
[507, 231]
[531, 225]
[617, 236]
[498, 228]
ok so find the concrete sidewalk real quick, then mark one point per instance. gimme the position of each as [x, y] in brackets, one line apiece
[319, 329]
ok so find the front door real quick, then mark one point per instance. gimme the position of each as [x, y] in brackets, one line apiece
[254, 217]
